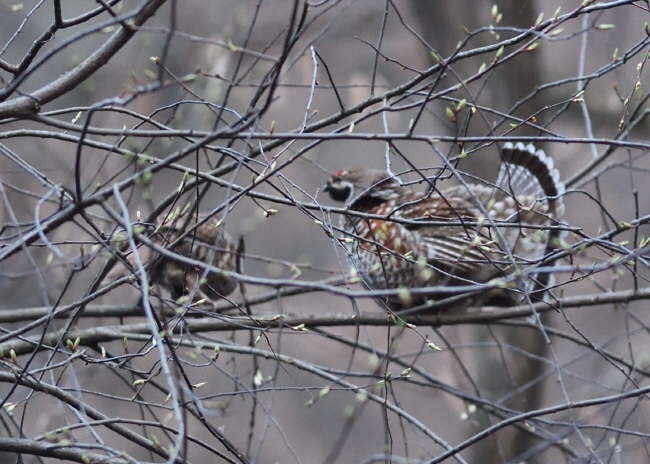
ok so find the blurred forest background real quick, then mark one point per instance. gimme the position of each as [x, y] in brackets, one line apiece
[113, 113]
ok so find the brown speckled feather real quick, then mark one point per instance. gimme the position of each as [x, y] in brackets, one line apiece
[405, 250]
[207, 242]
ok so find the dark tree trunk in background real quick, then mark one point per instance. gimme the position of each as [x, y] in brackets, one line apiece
[441, 27]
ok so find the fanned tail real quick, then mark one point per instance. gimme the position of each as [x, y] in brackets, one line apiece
[527, 171]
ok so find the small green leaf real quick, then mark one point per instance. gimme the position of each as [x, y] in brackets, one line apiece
[450, 114]
[533, 46]
[324, 392]
[433, 346]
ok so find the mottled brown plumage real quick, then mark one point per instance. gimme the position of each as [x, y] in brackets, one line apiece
[208, 242]
[391, 255]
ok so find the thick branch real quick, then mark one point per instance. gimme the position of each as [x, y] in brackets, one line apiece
[29, 104]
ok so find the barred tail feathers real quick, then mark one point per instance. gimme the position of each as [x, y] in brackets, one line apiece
[527, 171]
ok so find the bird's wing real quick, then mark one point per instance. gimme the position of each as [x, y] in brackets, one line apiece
[448, 228]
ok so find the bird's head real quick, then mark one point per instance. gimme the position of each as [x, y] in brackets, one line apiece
[349, 185]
